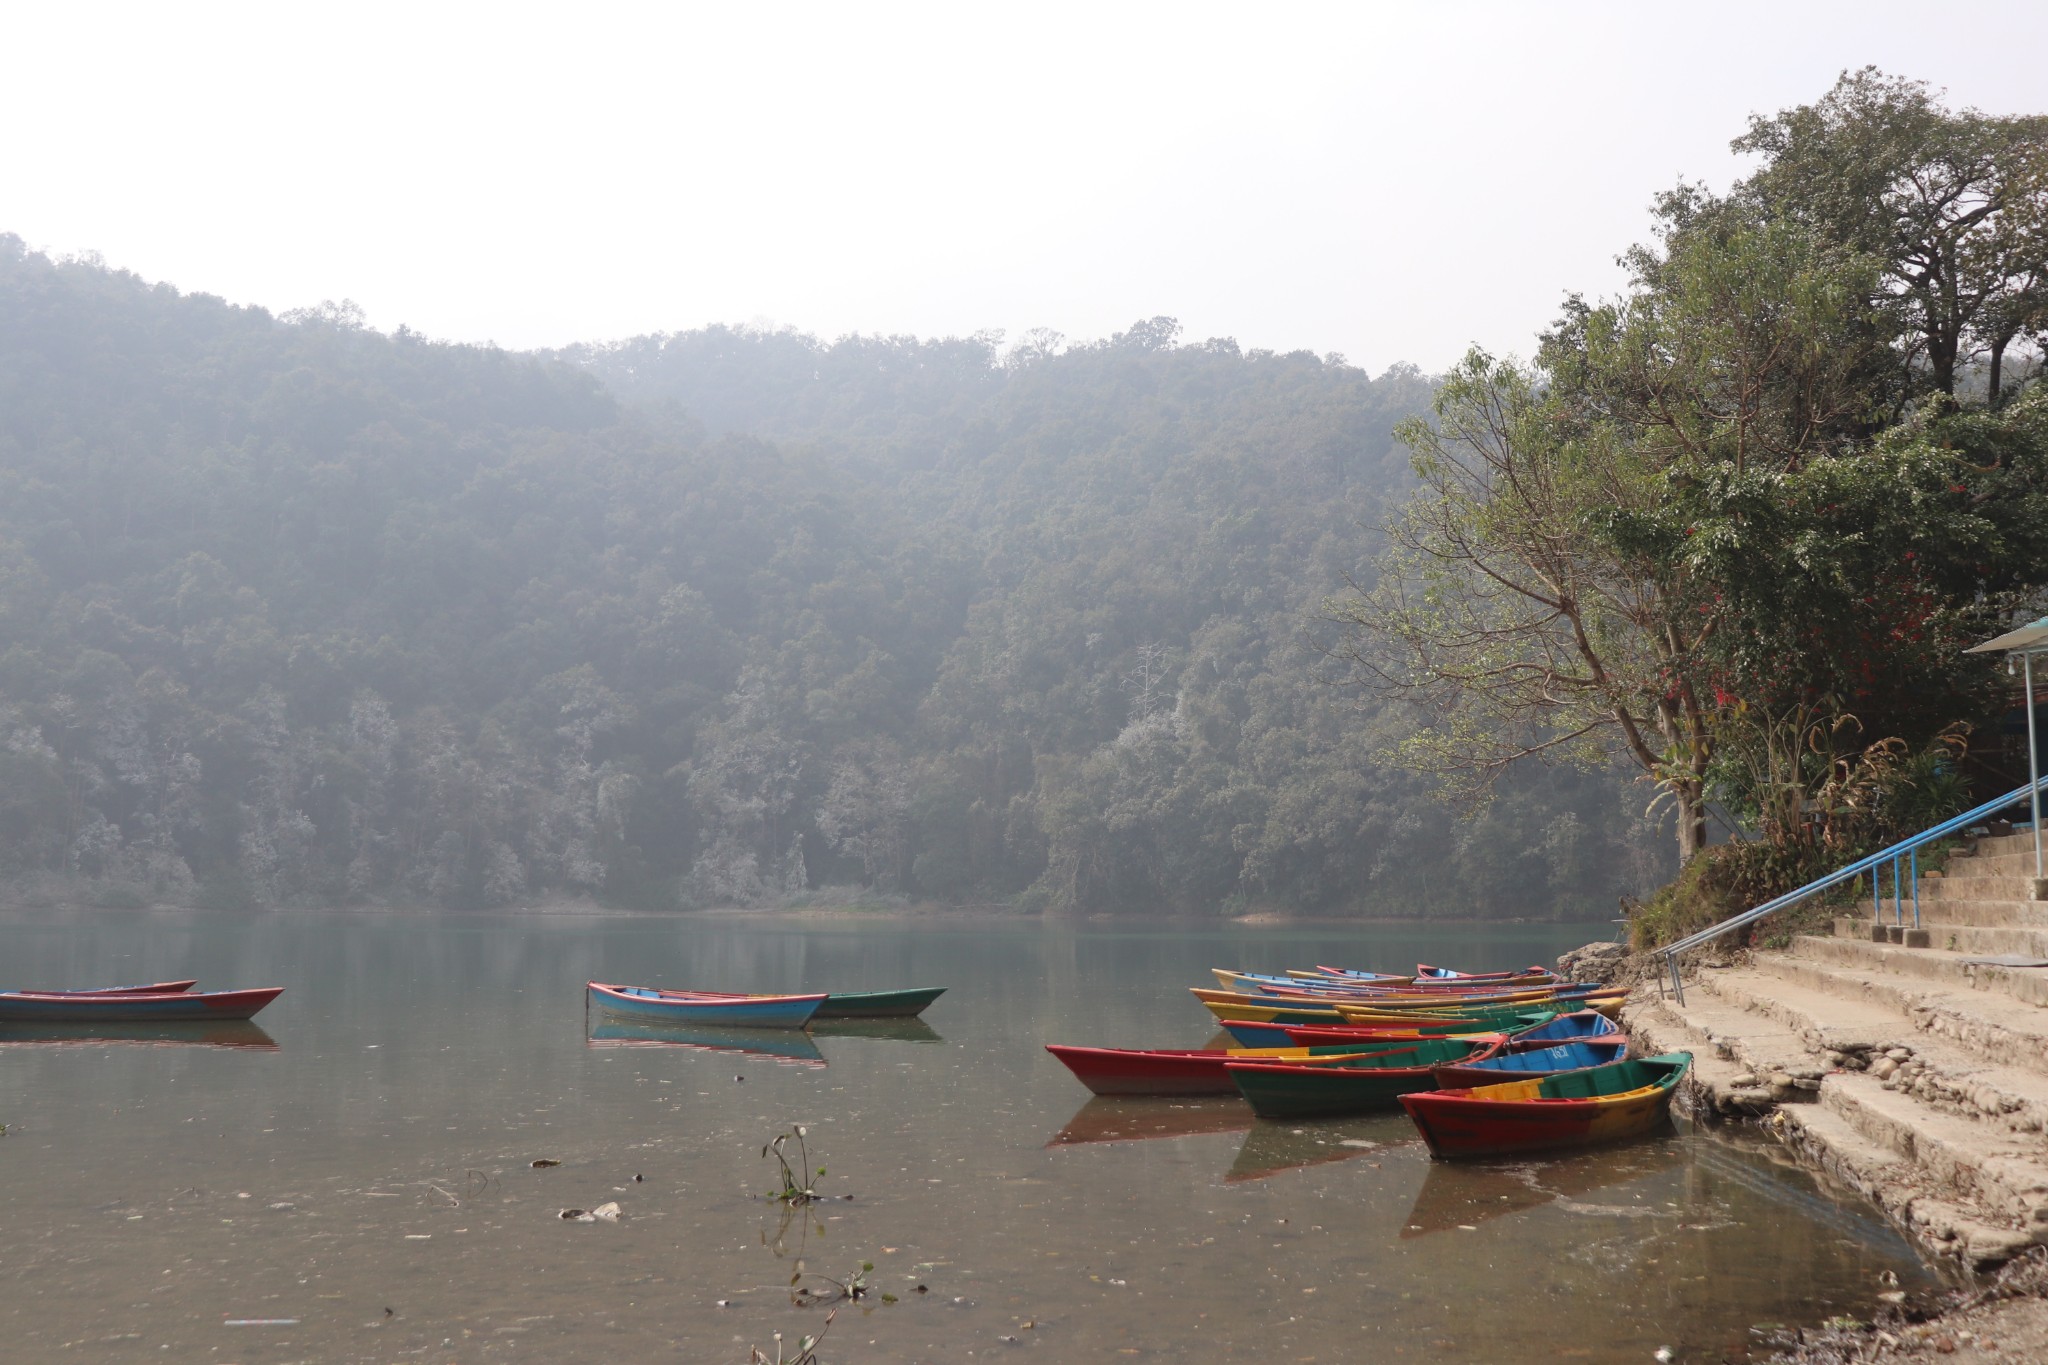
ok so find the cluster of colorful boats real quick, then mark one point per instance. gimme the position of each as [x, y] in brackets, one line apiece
[1485, 1064]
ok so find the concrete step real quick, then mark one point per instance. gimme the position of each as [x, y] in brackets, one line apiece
[2004, 845]
[2020, 864]
[1773, 1063]
[1936, 968]
[1823, 1021]
[2007, 1178]
[1994, 1027]
[1985, 888]
[1716, 1086]
[1860, 1035]
[1969, 939]
[1827, 1140]
[1936, 911]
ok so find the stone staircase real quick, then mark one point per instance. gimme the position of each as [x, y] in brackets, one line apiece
[1914, 1073]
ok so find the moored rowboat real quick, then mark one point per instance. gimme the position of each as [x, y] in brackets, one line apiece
[160, 988]
[1194, 1071]
[907, 1004]
[707, 1007]
[1534, 1062]
[1572, 1109]
[1350, 1085]
[1513, 1023]
[25, 1007]
[1566, 1028]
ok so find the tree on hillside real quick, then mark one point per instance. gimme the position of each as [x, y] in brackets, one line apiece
[1687, 516]
[1953, 205]
[1515, 606]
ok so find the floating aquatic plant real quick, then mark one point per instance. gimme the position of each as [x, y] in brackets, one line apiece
[798, 1183]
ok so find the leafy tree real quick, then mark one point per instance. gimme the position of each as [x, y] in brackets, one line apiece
[1952, 205]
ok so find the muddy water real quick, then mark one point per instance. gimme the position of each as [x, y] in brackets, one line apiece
[354, 1177]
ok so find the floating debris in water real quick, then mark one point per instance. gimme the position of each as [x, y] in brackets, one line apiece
[541, 1163]
[607, 1212]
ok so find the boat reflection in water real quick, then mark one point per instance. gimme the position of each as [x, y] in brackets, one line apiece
[1135, 1118]
[1466, 1194]
[782, 1045]
[1272, 1148]
[240, 1033]
[897, 1030]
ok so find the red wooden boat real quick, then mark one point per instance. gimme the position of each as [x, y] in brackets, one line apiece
[23, 1007]
[160, 988]
[1191, 1071]
[1573, 1109]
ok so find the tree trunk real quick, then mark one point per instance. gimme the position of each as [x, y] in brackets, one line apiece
[1692, 824]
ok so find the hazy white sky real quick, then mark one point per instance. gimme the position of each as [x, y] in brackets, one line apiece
[1392, 181]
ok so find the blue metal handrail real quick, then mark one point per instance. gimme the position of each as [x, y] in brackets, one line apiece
[1904, 849]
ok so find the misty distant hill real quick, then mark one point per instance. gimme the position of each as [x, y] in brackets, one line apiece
[292, 611]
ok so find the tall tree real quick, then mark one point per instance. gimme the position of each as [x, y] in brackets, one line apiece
[1953, 204]
[1520, 605]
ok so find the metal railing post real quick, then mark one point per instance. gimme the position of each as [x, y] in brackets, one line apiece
[2033, 762]
[1916, 886]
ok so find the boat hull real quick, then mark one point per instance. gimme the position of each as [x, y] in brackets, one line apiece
[159, 988]
[1250, 1034]
[1190, 1071]
[1286, 1090]
[1532, 1062]
[1559, 1112]
[743, 1011]
[878, 1004]
[160, 1009]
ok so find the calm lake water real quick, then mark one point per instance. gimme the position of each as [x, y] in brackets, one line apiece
[361, 1164]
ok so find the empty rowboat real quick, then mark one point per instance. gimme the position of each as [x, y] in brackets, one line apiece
[1532, 1063]
[160, 988]
[707, 1007]
[878, 1004]
[1350, 1085]
[27, 1007]
[1192, 1071]
[1572, 1109]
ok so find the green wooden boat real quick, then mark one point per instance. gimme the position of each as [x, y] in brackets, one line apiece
[878, 1004]
[1350, 1085]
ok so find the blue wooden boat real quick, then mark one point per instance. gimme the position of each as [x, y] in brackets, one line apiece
[1540, 1061]
[707, 1007]
[1565, 1028]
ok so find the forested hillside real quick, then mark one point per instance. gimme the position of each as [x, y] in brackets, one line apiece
[292, 611]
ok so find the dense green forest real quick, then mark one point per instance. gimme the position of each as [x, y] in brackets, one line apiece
[296, 612]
